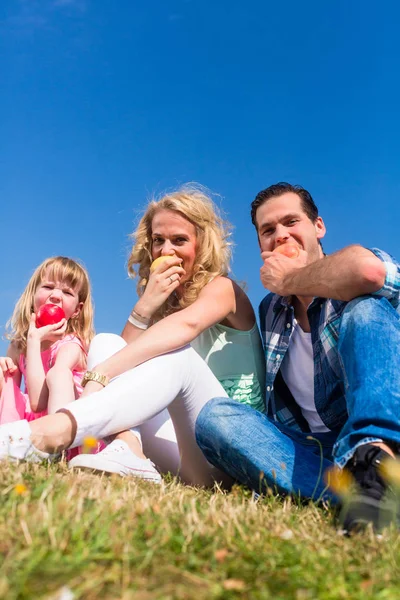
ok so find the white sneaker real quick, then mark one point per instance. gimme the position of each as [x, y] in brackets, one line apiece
[117, 457]
[15, 444]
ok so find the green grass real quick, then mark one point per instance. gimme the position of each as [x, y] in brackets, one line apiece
[114, 538]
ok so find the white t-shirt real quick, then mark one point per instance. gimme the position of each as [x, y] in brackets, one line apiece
[298, 373]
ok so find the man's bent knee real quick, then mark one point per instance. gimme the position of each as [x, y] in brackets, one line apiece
[364, 308]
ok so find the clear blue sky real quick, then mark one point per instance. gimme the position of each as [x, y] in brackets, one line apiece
[104, 103]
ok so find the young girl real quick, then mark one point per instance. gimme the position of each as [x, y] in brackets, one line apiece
[52, 358]
[189, 315]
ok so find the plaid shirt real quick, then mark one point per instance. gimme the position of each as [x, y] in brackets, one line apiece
[324, 314]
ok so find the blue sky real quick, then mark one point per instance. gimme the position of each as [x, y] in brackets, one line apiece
[103, 104]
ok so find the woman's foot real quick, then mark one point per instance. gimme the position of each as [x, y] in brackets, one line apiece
[118, 458]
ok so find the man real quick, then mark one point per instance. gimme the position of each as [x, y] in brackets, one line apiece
[332, 343]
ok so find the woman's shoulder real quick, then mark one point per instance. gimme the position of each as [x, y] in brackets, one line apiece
[224, 283]
[242, 317]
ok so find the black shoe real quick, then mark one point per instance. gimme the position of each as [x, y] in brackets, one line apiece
[372, 501]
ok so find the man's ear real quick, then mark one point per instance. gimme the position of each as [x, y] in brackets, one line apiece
[320, 228]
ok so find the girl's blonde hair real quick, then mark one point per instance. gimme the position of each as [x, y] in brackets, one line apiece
[213, 249]
[57, 268]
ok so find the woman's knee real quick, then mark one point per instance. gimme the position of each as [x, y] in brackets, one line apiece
[103, 346]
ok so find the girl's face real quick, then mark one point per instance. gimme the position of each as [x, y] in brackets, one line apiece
[172, 234]
[59, 293]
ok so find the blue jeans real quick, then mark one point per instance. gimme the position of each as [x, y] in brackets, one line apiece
[264, 454]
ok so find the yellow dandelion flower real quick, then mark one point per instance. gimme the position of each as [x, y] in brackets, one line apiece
[339, 480]
[390, 470]
[20, 489]
[89, 444]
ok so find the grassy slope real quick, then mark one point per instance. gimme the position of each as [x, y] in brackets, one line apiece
[118, 538]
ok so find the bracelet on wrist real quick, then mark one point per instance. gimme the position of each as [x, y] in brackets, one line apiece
[136, 323]
[139, 317]
[95, 376]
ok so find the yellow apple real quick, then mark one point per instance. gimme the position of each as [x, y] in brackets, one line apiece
[157, 262]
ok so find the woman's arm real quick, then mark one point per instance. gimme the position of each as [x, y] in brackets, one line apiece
[215, 303]
[59, 378]
[158, 289]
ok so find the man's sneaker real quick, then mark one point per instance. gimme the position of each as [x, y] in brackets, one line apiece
[118, 458]
[372, 500]
[15, 444]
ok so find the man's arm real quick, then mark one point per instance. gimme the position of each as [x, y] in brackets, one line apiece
[351, 272]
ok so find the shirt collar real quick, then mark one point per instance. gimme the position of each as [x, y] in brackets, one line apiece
[286, 302]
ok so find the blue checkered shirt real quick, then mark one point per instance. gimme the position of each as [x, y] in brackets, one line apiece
[276, 320]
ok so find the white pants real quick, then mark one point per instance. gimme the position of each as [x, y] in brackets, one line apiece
[179, 380]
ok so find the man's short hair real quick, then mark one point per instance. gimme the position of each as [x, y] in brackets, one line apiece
[278, 189]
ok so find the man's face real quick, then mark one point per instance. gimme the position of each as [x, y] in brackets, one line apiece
[282, 219]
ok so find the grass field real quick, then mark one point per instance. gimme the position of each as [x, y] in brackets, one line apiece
[113, 538]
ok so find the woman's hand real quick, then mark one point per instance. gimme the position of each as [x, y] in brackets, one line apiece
[164, 280]
[91, 387]
[48, 333]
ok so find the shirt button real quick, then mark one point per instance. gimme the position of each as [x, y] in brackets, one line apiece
[288, 325]
[268, 388]
[278, 356]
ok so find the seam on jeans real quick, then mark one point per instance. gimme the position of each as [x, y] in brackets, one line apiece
[74, 424]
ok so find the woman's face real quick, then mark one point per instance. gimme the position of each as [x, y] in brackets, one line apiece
[172, 234]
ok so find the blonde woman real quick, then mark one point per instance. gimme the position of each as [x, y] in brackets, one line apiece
[190, 337]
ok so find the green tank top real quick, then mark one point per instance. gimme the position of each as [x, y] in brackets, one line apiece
[237, 360]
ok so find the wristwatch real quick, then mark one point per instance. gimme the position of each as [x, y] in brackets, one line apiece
[94, 376]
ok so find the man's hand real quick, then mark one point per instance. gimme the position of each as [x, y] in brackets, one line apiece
[277, 269]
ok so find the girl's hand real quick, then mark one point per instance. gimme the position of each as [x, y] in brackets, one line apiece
[48, 333]
[164, 280]
[7, 366]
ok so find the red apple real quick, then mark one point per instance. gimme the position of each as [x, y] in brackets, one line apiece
[289, 250]
[48, 314]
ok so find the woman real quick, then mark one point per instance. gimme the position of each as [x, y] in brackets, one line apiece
[187, 299]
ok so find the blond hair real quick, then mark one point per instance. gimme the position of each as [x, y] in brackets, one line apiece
[57, 268]
[213, 249]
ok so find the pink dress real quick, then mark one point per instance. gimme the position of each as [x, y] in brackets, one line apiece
[14, 404]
